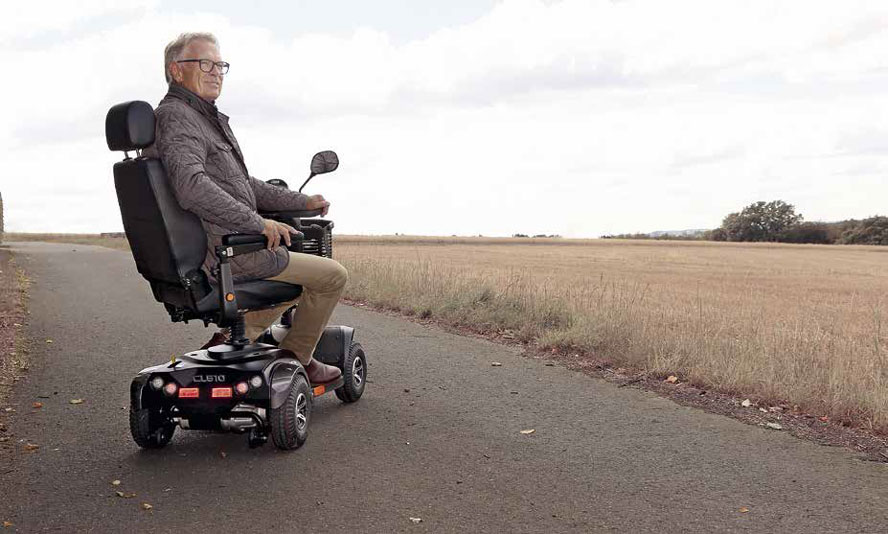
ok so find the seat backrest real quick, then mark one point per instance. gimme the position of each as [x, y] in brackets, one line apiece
[168, 243]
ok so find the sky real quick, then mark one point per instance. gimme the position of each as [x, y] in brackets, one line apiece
[577, 117]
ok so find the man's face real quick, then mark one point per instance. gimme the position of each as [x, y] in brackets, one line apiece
[207, 85]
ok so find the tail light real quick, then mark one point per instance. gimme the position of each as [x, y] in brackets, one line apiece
[221, 393]
[189, 393]
[242, 388]
[170, 388]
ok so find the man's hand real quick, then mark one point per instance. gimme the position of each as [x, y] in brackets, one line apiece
[275, 231]
[317, 202]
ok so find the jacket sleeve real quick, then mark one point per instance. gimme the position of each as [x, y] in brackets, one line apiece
[273, 198]
[183, 154]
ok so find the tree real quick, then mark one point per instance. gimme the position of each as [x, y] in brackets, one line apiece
[808, 232]
[872, 231]
[761, 221]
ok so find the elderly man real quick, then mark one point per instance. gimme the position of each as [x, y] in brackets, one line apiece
[207, 172]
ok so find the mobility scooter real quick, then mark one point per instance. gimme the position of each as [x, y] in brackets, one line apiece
[241, 385]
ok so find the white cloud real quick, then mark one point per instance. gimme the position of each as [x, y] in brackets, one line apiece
[574, 117]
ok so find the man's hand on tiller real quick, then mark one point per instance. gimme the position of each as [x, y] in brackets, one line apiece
[317, 202]
[275, 231]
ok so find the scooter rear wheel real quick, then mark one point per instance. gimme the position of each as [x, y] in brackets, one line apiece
[289, 422]
[147, 431]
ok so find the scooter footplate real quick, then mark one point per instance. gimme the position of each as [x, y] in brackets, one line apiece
[320, 389]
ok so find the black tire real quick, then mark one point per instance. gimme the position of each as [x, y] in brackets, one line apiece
[354, 372]
[149, 430]
[289, 422]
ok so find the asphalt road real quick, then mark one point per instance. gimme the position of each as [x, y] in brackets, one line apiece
[436, 436]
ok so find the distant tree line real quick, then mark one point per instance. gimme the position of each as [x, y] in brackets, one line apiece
[537, 235]
[777, 221]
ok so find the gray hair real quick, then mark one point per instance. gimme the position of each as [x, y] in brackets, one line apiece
[173, 51]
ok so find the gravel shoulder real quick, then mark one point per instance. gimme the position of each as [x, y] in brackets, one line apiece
[13, 299]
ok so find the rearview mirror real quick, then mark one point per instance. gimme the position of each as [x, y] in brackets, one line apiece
[326, 161]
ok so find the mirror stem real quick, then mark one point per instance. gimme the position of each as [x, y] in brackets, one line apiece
[310, 176]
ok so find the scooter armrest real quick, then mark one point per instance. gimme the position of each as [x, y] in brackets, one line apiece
[290, 214]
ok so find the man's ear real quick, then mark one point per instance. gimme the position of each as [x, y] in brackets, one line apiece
[176, 72]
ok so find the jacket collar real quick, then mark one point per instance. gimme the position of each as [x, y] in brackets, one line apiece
[205, 107]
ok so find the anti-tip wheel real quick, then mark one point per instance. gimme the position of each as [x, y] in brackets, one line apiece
[149, 428]
[354, 371]
[289, 422]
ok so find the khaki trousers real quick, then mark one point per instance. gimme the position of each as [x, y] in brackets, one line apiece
[322, 281]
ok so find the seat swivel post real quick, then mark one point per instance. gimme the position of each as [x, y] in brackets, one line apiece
[237, 331]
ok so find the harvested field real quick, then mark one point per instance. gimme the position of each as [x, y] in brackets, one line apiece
[799, 324]
[119, 243]
[794, 324]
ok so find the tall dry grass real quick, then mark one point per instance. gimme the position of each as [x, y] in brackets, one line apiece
[801, 324]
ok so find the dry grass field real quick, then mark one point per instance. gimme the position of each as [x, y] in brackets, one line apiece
[794, 323]
[801, 324]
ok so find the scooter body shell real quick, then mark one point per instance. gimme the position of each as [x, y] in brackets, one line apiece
[277, 367]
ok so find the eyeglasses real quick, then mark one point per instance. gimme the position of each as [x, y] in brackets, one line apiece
[207, 65]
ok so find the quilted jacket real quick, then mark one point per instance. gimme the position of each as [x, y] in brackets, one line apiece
[208, 175]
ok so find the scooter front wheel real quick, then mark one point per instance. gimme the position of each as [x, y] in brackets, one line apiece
[354, 371]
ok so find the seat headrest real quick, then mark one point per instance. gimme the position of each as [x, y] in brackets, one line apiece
[129, 126]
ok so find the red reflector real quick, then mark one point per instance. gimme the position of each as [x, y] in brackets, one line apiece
[189, 393]
[221, 393]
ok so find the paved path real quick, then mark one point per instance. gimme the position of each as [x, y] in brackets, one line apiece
[436, 436]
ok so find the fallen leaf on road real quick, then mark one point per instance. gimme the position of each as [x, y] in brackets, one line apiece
[528, 431]
[825, 418]
[7, 524]
[76, 401]
[8, 409]
[671, 379]
[4, 439]
[37, 405]
[115, 482]
[775, 426]
[416, 520]
[119, 494]
[49, 341]
[746, 403]
[223, 454]
[496, 364]
[146, 506]
[743, 509]
[31, 447]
